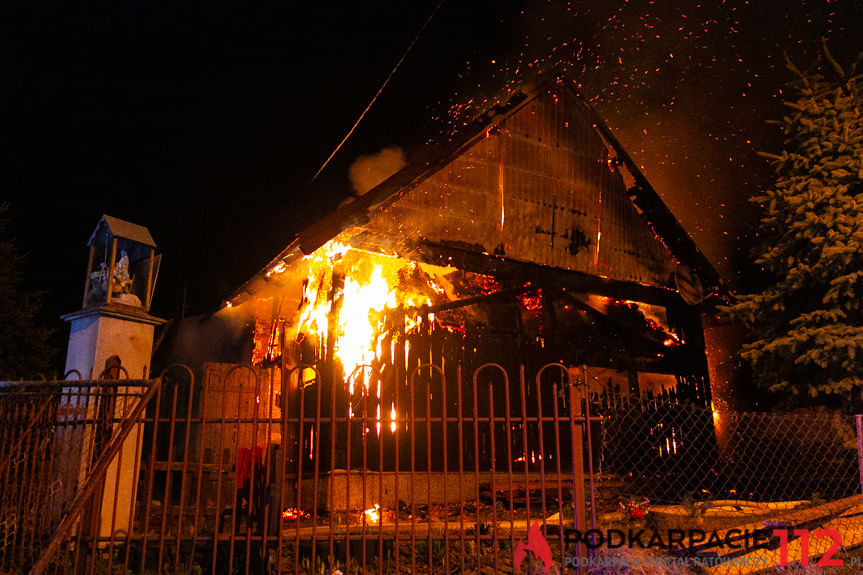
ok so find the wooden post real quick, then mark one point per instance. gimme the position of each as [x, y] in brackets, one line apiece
[150, 279]
[111, 270]
[87, 276]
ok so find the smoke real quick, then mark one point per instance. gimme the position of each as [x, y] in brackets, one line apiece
[224, 336]
[368, 171]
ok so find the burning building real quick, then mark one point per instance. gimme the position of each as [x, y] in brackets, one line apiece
[415, 324]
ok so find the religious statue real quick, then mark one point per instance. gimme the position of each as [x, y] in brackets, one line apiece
[121, 286]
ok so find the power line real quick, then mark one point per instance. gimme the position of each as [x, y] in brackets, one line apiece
[381, 89]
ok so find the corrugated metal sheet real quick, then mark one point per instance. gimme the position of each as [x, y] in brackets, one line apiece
[538, 188]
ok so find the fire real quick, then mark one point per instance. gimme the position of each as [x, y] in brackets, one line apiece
[294, 514]
[372, 515]
[352, 299]
[360, 320]
[348, 291]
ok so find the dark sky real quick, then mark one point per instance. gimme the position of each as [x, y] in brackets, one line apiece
[206, 123]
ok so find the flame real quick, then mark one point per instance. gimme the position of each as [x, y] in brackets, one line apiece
[294, 514]
[279, 268]
[378, 424]
[360, 318]
[355, 311]
[373, 514]
[347, 296]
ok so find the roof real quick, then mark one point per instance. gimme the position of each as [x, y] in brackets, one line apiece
[122, 229]
[648, 202]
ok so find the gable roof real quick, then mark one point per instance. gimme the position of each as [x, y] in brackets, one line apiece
[122, 229]
[435, 157]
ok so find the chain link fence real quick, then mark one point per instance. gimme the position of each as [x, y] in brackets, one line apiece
[791, 479]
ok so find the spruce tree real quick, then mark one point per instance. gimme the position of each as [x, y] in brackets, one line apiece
[25, 348]
[806, 327]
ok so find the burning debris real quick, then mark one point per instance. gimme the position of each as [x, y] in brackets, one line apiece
[295, 514]
[372, 515]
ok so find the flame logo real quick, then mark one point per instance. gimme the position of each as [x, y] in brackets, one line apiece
[536, 543]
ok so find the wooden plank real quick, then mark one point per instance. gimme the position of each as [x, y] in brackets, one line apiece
[437, 528]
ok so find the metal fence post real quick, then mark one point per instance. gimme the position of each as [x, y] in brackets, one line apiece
[587, 426]
[859, 421]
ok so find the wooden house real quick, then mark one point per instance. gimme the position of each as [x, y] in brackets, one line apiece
[438, 299]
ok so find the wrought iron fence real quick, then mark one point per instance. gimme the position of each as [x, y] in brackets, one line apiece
[51, 437]
[252, 470]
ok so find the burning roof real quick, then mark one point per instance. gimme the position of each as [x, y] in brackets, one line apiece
[535, 179]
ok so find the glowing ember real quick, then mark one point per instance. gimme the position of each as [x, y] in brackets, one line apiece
[531, 301]
[295, 514]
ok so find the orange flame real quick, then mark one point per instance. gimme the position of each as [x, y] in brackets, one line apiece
[347, 294]
[372, 515]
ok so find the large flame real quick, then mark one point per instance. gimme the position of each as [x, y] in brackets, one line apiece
[360, 319]
[347, 294]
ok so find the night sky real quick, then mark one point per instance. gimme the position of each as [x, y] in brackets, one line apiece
[207, 123]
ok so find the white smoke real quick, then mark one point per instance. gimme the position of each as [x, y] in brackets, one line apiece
[368, 171]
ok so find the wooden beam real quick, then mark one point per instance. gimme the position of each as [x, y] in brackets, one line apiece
[149, 297]
[510, 272]
[657, 214]
[502, 294]
[111, 270]
[87, 277]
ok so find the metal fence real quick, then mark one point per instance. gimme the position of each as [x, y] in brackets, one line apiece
[53, 435]
[673, 453]
[793, 480]
[251, 470]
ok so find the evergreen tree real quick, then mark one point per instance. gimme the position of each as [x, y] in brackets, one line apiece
[24, 344]
[807, 325]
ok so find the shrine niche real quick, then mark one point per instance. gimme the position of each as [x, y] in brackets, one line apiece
[122, 266]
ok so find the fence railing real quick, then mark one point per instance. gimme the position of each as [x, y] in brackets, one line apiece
[52, 435]
[251, 470]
